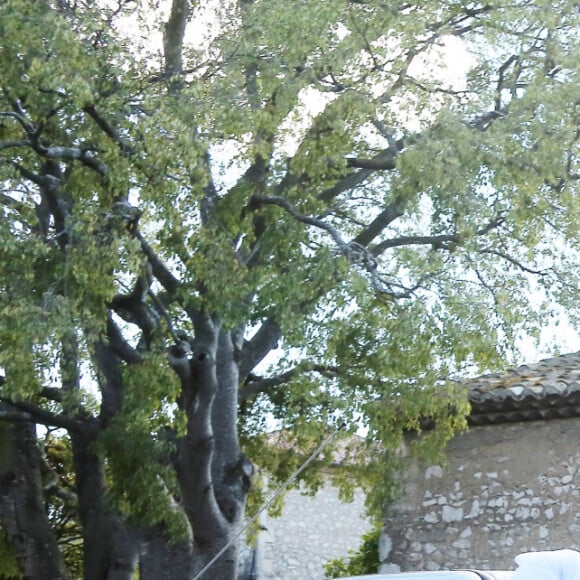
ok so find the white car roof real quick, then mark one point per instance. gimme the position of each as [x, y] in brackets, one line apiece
[439, 575]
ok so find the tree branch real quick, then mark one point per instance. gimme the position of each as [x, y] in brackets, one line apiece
[513, 59]
[9, 144]
[385, 160]
[345, 184]
[435, 241]
[178, 356]
[257, 200]
[44, 417]
[173, 35]
[442, 241]
[16, 417]
[52, 394]
[160, 271]
[513, 261]
[72, 154]
[484, 121]
[393, 211]
[196, 448]
[109, 365]
[256, 385]
[255, 350]
[108, 129]
[20, 117]
[120, 346]
[23, 509]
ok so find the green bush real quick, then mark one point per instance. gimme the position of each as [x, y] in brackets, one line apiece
[365, 560]
[8, 564]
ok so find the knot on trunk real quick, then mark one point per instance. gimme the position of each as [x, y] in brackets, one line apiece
[232, 493]
[201, 357]
[178, 355]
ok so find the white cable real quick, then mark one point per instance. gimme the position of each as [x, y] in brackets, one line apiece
[270, 501]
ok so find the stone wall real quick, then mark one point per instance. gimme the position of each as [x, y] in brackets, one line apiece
[506, 489]
[311, 531]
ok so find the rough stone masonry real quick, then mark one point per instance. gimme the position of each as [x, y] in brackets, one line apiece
[506, 489]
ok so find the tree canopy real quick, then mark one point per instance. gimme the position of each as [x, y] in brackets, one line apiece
[223, 218]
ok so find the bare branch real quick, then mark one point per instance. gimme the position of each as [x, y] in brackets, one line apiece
[9, 144]
[256, 349]
[387, 288]
[257, 200]
[72, 154]
[55, 152]
[256, 385]
[160, 271]
[196, 449]
[394, 144]
[435, 89]
[173, 36]
[386, 160]
[345, 184]
[120, 346]
[435, 241]
[45, 180]
[393, 211]
[15, 417]
[47, 418]
[20, 116]
[491, 290]
[513, 261]
[108, 129]
[513, 59]
[441, 241]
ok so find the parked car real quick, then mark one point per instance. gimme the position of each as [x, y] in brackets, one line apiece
[439, 575]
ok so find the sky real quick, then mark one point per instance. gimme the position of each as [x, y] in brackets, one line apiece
[450, 61]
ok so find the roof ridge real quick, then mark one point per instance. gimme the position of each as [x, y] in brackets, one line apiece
[549, 388]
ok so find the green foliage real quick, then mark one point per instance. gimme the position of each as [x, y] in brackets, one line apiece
[138, 485]
[365, 560]
[63, 514]
[8, 563]
[138, 447]
[365, 216]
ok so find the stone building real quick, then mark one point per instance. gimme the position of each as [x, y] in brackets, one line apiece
[311, 531]
[511, 483]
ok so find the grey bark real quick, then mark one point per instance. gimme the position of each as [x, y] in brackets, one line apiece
[162, 559]
[22, 510]
[111, 547]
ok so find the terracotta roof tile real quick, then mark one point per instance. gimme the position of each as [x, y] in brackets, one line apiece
[549, 389]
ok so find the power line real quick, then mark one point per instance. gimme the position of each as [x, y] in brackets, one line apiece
[270, 501]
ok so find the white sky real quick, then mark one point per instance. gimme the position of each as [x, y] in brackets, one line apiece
[450, 61]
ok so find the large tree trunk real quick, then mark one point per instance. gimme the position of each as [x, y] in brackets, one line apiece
[162, 559]
[212, 473]
[111, 547]
[22, 510]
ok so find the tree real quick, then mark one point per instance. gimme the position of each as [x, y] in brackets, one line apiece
[217, 217]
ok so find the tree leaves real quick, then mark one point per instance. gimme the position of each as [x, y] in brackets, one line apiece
[360, 225]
